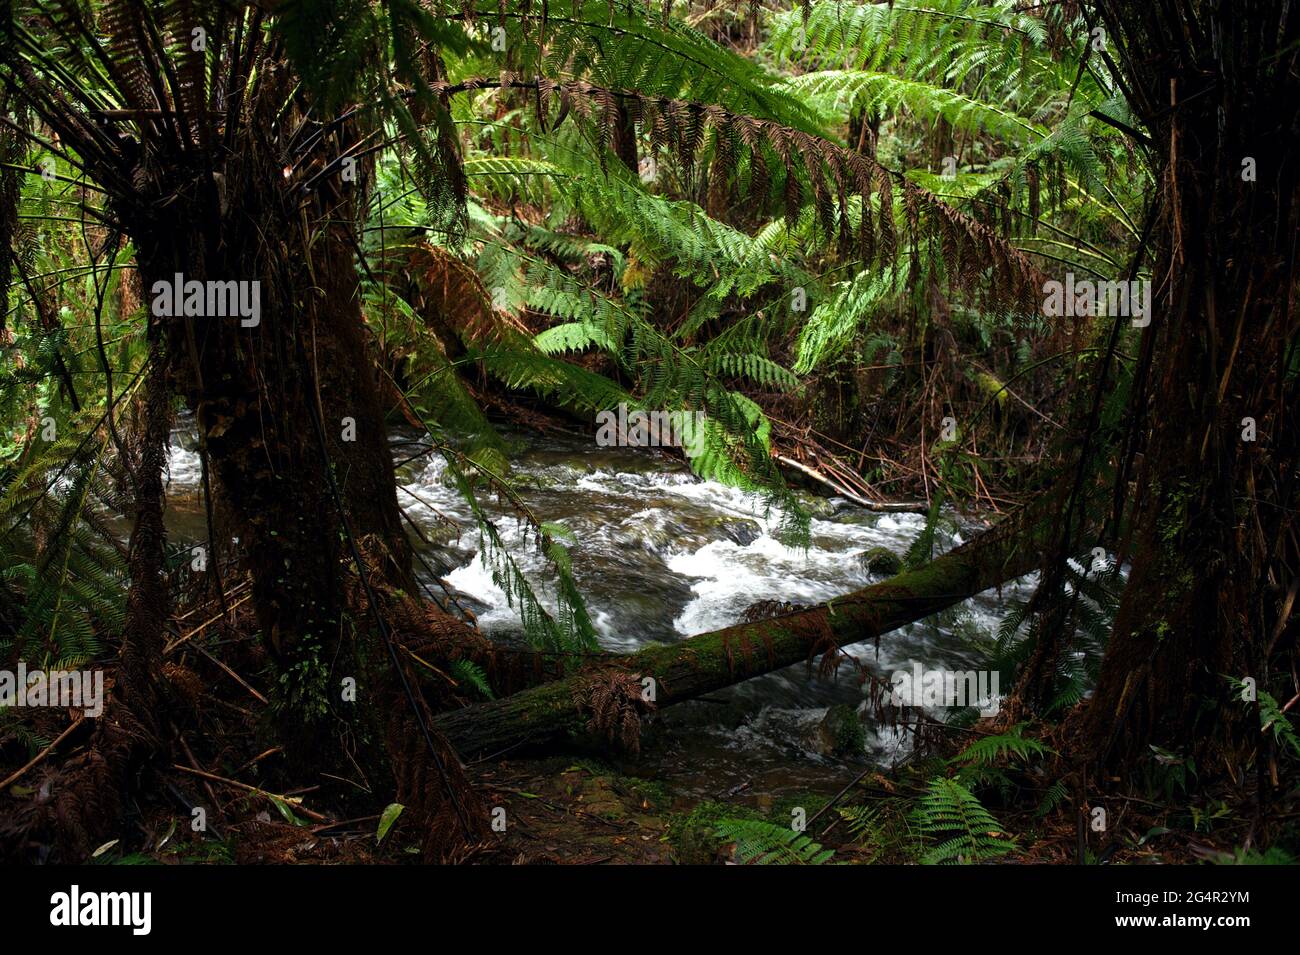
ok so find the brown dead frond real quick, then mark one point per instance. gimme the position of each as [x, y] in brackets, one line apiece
[614, 700]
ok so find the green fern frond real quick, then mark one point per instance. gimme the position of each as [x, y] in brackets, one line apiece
[762, 843]
[963, 831]
[470, 673]
[1012, 744]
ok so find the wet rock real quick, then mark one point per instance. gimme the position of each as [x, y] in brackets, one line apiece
[840, 732]
[739, 530]
[880, 562]
[816, 505]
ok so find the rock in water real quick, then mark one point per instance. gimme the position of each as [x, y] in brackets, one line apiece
[840, 732]
[740, 531]
[880, 562]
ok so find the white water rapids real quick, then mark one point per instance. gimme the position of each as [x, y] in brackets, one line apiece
[661, 555]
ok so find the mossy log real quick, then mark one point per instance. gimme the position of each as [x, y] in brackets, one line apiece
[612, 690]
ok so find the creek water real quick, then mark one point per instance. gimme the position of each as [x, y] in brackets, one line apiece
[661, 555]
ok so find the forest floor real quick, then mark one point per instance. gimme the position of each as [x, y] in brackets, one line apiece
[566, 810]
[661, 806]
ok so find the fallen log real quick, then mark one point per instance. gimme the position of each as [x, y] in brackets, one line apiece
[603, 695]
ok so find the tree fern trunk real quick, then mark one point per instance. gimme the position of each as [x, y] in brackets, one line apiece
[1214, 515]
[290, 419]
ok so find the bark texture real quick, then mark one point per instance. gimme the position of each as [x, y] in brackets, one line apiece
[1214, 538]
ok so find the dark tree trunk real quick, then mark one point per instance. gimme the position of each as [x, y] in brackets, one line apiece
[1214, 514]
[291, 424]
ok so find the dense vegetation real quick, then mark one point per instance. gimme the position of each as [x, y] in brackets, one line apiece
[832, 229]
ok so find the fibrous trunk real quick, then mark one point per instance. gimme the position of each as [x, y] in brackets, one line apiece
[290, 422]
[1216, 493]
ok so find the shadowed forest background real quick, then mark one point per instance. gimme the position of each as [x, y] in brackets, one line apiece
[363, 584]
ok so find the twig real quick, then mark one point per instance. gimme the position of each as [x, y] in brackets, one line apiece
[900, 507]
[258, 758]
[342, 822]
[17, 774]
[234, 676]
[839, 795]
[179, 640]
[298, 807]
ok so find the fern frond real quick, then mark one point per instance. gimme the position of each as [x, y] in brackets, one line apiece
[965, 832]
[762, 843]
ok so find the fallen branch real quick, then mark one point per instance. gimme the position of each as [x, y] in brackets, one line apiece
[18, 773]
[712, 661]
[884, 507]
[293, 801]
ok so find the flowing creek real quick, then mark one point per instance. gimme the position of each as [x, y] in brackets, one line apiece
[659, 556]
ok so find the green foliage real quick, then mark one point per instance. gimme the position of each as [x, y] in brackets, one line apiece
[880, 830]
[951, 817]
[62, 571]
[568, 633]
[988, 750]
[1272, 718]
[762, 843]
[693, 835]
[921, 551]
[1274, 855]
[471, 674]
[386, 820]
[1055, 795]
[988, 760]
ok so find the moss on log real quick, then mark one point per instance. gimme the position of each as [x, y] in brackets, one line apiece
[720, 658]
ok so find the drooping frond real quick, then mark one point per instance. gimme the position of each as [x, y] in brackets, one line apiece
[62, 577]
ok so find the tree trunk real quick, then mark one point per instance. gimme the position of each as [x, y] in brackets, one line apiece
[608, 697]
[1213, 521]
[290, 420]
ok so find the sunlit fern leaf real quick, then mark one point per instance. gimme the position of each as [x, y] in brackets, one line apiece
[760, 370]
[832, 325]
[573, 337]
[841, 93]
